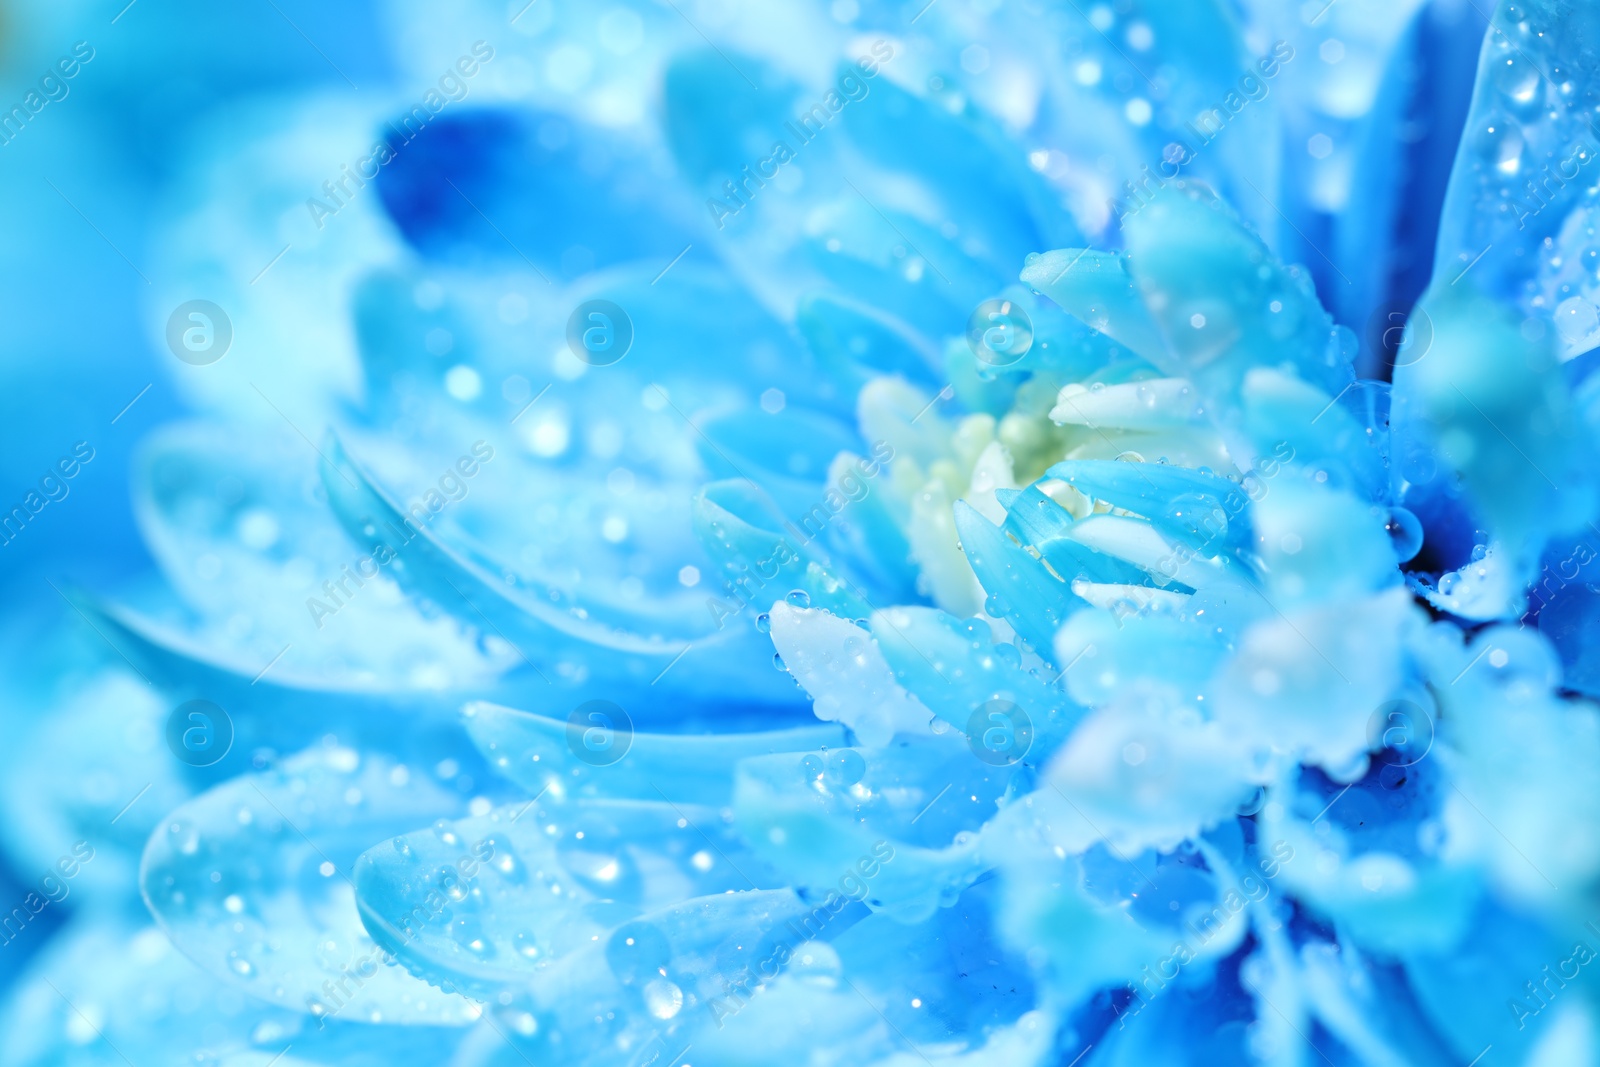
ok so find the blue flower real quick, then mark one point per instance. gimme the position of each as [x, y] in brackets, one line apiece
[854, 535]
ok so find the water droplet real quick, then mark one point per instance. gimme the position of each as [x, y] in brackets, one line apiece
[469, 934]
[764, 623]
[1405, 533]
[1577, 319]
[506, 863]
[451, 882]
[526, 946]
[1257, 800]
[638, 952]
[1501, 146]
[847, 766]
[799, 598]
[777, 661]
[815, 963]
[662, 998]
[606, 872]
[1519, 82]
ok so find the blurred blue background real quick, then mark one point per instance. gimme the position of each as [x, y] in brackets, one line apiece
[87, 185]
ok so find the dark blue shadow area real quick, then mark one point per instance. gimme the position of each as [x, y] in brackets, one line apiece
[490, 186]
[1447, 38]
[18, 946]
